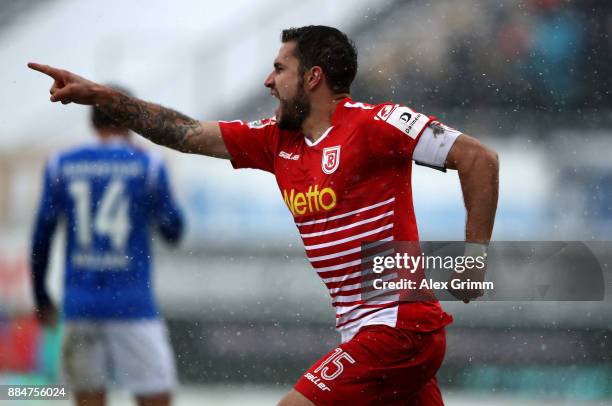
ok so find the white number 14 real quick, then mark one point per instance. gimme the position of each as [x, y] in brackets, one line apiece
[112, 217]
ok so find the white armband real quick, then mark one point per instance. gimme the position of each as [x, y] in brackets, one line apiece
[434, 145]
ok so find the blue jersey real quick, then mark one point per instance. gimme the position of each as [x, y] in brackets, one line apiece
[112, 196]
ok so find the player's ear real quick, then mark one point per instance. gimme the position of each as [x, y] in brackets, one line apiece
[313, 77]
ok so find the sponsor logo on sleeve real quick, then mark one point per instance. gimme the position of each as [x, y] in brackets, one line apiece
[330, 159]
[385, 112]
[404, 119]
[261, 123]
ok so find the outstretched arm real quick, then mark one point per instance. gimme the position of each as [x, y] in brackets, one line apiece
[159, 124]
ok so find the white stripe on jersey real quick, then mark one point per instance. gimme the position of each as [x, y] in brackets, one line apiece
[350, 213]
[386, 316]
[355, 310]
[347, 239]
[358, 223]
[342, 277]
[339, 266]
[360, 317]
[348, 298]
[336, 291]
[355, 262]
[351, 251]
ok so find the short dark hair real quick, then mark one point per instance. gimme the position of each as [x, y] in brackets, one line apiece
[329, 48]
[100, 120]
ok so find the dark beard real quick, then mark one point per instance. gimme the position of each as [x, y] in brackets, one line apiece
[294, 112]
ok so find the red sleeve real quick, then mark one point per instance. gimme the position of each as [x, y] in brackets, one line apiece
[395, 130]
[251, 145]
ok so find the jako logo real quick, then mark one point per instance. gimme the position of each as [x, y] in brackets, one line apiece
[310, 202]
[287, 155]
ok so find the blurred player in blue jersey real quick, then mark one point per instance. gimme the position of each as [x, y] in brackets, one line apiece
[112, 196]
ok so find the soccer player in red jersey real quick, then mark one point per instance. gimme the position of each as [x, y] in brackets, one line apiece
[344, 170]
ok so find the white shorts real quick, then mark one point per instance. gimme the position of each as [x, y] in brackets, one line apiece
[134, 354]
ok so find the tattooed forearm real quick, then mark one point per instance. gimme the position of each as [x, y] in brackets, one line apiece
[159, 124]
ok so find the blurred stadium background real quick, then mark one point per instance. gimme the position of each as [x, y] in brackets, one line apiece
[530, 77]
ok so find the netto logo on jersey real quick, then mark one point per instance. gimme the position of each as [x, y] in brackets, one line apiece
[313, 201]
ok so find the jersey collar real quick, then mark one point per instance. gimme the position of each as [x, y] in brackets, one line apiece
[321, 138]
[335, 119]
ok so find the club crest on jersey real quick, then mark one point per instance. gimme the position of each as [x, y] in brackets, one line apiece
[331, 159]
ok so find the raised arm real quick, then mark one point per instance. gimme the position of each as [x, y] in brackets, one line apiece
[159, 124]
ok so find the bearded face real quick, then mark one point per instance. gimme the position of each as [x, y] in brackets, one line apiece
[294, 111]
[286, 83]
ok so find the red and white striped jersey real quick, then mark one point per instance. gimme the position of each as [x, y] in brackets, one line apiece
[352, 185]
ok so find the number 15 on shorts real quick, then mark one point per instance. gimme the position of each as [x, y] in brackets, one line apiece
[331, 368]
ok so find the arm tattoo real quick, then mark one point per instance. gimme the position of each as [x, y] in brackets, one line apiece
[159, 124]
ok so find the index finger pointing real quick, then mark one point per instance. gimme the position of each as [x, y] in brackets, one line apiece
[46, 69]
